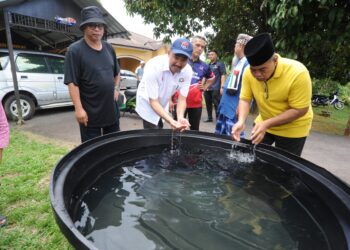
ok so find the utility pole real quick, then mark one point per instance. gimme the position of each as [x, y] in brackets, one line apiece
[13, 67]
[347, 129]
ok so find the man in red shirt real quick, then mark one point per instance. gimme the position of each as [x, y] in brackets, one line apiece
[202, 78]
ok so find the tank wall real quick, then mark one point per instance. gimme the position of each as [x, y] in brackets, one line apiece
[83, 165]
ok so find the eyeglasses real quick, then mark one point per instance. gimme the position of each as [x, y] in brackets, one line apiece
[95, 25]
[266, 91]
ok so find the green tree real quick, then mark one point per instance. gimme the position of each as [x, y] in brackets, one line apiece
[185, 18]
[316, 32]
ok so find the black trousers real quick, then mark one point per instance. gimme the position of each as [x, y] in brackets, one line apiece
[87, 133]
[212, 97]
[292, 145]
[194, 117]
[147, 124]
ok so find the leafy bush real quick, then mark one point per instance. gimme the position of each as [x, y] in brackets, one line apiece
[344, 93]
[327, 86]
[324, 86]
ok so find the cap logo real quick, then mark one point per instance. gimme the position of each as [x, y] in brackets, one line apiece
[185, 45]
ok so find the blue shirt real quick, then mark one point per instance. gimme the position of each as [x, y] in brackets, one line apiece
[139, 73]
[229, 103]
[200, 70]
[219, 70]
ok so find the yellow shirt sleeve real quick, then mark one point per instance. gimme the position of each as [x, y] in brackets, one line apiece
[301, 91]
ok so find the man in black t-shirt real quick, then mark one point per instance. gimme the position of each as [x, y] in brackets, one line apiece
[92, 76]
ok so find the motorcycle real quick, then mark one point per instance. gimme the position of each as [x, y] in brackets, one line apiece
[323, 100]
[127, 101]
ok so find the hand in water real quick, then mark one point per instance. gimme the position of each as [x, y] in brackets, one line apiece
[258, 133]
[180, 125]
[185, 122]
[237, 130]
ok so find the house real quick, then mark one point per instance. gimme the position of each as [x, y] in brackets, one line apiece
[135, 49]
[33, 25]
[45, 25]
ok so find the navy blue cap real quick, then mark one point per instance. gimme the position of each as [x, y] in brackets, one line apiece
[182, 46]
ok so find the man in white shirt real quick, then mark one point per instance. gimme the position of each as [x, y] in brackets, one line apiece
[163, 76]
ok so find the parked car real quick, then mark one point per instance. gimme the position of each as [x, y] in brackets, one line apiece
[128, 79]
[40, 81]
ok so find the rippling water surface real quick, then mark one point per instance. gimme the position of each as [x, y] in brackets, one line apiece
[197, 198]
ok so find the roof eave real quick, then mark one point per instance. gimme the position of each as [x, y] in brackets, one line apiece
[133, 47]
[9, 3]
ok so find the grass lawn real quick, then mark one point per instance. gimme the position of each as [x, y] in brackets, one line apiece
[335, 124]
[24, 195]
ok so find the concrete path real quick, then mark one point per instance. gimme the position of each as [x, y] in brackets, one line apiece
[59, 125]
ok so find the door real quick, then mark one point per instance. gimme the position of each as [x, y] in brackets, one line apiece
[128, 80]
[57, 67]
[34, 76]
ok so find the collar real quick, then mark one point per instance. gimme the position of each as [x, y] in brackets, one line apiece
[166, 66]
[278, 70]
[243, 59]
[195, 61]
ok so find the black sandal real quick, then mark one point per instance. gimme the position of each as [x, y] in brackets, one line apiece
[3, 221]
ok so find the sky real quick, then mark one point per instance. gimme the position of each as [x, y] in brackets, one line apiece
[135, 24]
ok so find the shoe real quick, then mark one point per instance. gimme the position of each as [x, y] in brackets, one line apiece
[208, 120]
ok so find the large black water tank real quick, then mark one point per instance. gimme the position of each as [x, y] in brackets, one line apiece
[80, 167]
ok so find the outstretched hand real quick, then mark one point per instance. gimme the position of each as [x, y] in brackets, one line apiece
[258, 133]
[237, 130]
[181, 125]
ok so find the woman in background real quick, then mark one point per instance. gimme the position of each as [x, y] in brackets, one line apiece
[4, 141]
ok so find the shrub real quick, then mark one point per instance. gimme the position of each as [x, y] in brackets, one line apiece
[344, 93]
[327, 86]
[324, 86]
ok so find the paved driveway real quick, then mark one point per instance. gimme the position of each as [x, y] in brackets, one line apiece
[328, 151]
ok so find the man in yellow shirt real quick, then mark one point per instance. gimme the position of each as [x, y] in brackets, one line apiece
[282, 90]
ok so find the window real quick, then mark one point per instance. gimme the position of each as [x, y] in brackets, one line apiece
[4, 57]
[56, 64]
[31, 63]
[127, 73]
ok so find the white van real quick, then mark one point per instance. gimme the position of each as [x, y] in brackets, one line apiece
[128, 79]
[40, 80]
